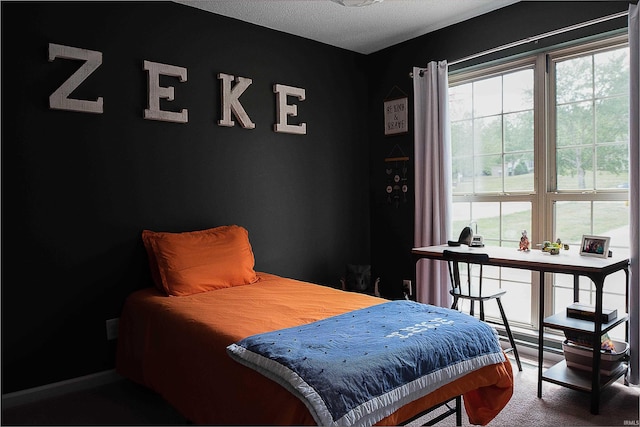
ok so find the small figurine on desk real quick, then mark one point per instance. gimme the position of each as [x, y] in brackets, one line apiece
[524, 242]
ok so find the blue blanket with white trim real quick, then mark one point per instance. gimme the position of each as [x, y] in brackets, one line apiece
[359, 367]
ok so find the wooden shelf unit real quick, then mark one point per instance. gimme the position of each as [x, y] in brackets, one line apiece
[573, 378]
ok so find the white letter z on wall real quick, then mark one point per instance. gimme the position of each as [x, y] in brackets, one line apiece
[59, 99]
[156, 92]
[285, 110]
[231, 103]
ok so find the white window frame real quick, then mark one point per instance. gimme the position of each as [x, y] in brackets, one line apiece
[544, 194]
[553, 195]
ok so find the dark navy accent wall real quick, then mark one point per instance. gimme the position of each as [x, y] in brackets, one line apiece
[78, 188]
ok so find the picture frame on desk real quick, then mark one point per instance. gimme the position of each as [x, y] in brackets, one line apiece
[597, 246]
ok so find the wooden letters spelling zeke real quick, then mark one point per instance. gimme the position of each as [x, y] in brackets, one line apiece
[230, 94]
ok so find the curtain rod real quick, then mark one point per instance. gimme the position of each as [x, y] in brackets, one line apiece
[536, 38]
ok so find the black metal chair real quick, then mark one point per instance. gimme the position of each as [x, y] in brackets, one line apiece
[454, 259]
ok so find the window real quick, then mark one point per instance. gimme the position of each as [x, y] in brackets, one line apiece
[589, 109]
[541, 144]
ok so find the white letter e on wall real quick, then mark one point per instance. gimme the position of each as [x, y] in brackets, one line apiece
[285, 110]
[156, 92]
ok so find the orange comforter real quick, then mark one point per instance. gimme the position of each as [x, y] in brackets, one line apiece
[177, 347]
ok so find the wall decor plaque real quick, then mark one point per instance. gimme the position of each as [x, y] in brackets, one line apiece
[395, 116]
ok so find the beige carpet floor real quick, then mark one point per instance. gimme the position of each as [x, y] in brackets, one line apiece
[560, 406]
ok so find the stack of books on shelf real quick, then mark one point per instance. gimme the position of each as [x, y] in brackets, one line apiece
[578, 347]
[588, 312]
[585, 340]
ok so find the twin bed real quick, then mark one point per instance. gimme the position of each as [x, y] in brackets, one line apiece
[226, 345]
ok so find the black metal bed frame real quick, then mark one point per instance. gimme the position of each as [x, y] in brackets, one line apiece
[456, 408]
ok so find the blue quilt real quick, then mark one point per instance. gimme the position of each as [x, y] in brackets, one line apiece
[361, 366]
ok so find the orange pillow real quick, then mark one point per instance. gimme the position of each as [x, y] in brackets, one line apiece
[147, 237]
[199, 261]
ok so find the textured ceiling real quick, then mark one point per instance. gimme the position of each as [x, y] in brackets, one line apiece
[359, 29]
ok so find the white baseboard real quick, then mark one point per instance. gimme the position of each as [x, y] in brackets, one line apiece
[531, 353]
[30, 395]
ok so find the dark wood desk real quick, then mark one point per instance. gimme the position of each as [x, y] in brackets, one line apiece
[566, 262]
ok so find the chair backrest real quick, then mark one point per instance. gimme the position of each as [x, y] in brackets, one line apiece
[454, 259]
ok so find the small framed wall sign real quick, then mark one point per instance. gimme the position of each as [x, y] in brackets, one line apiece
[395, 116]
[597, 246]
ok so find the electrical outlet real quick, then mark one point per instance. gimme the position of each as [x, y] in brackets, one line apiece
[112, 329]
[406, 287]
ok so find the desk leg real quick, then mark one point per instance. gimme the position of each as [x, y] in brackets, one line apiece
[595, 373]
[540, 333]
